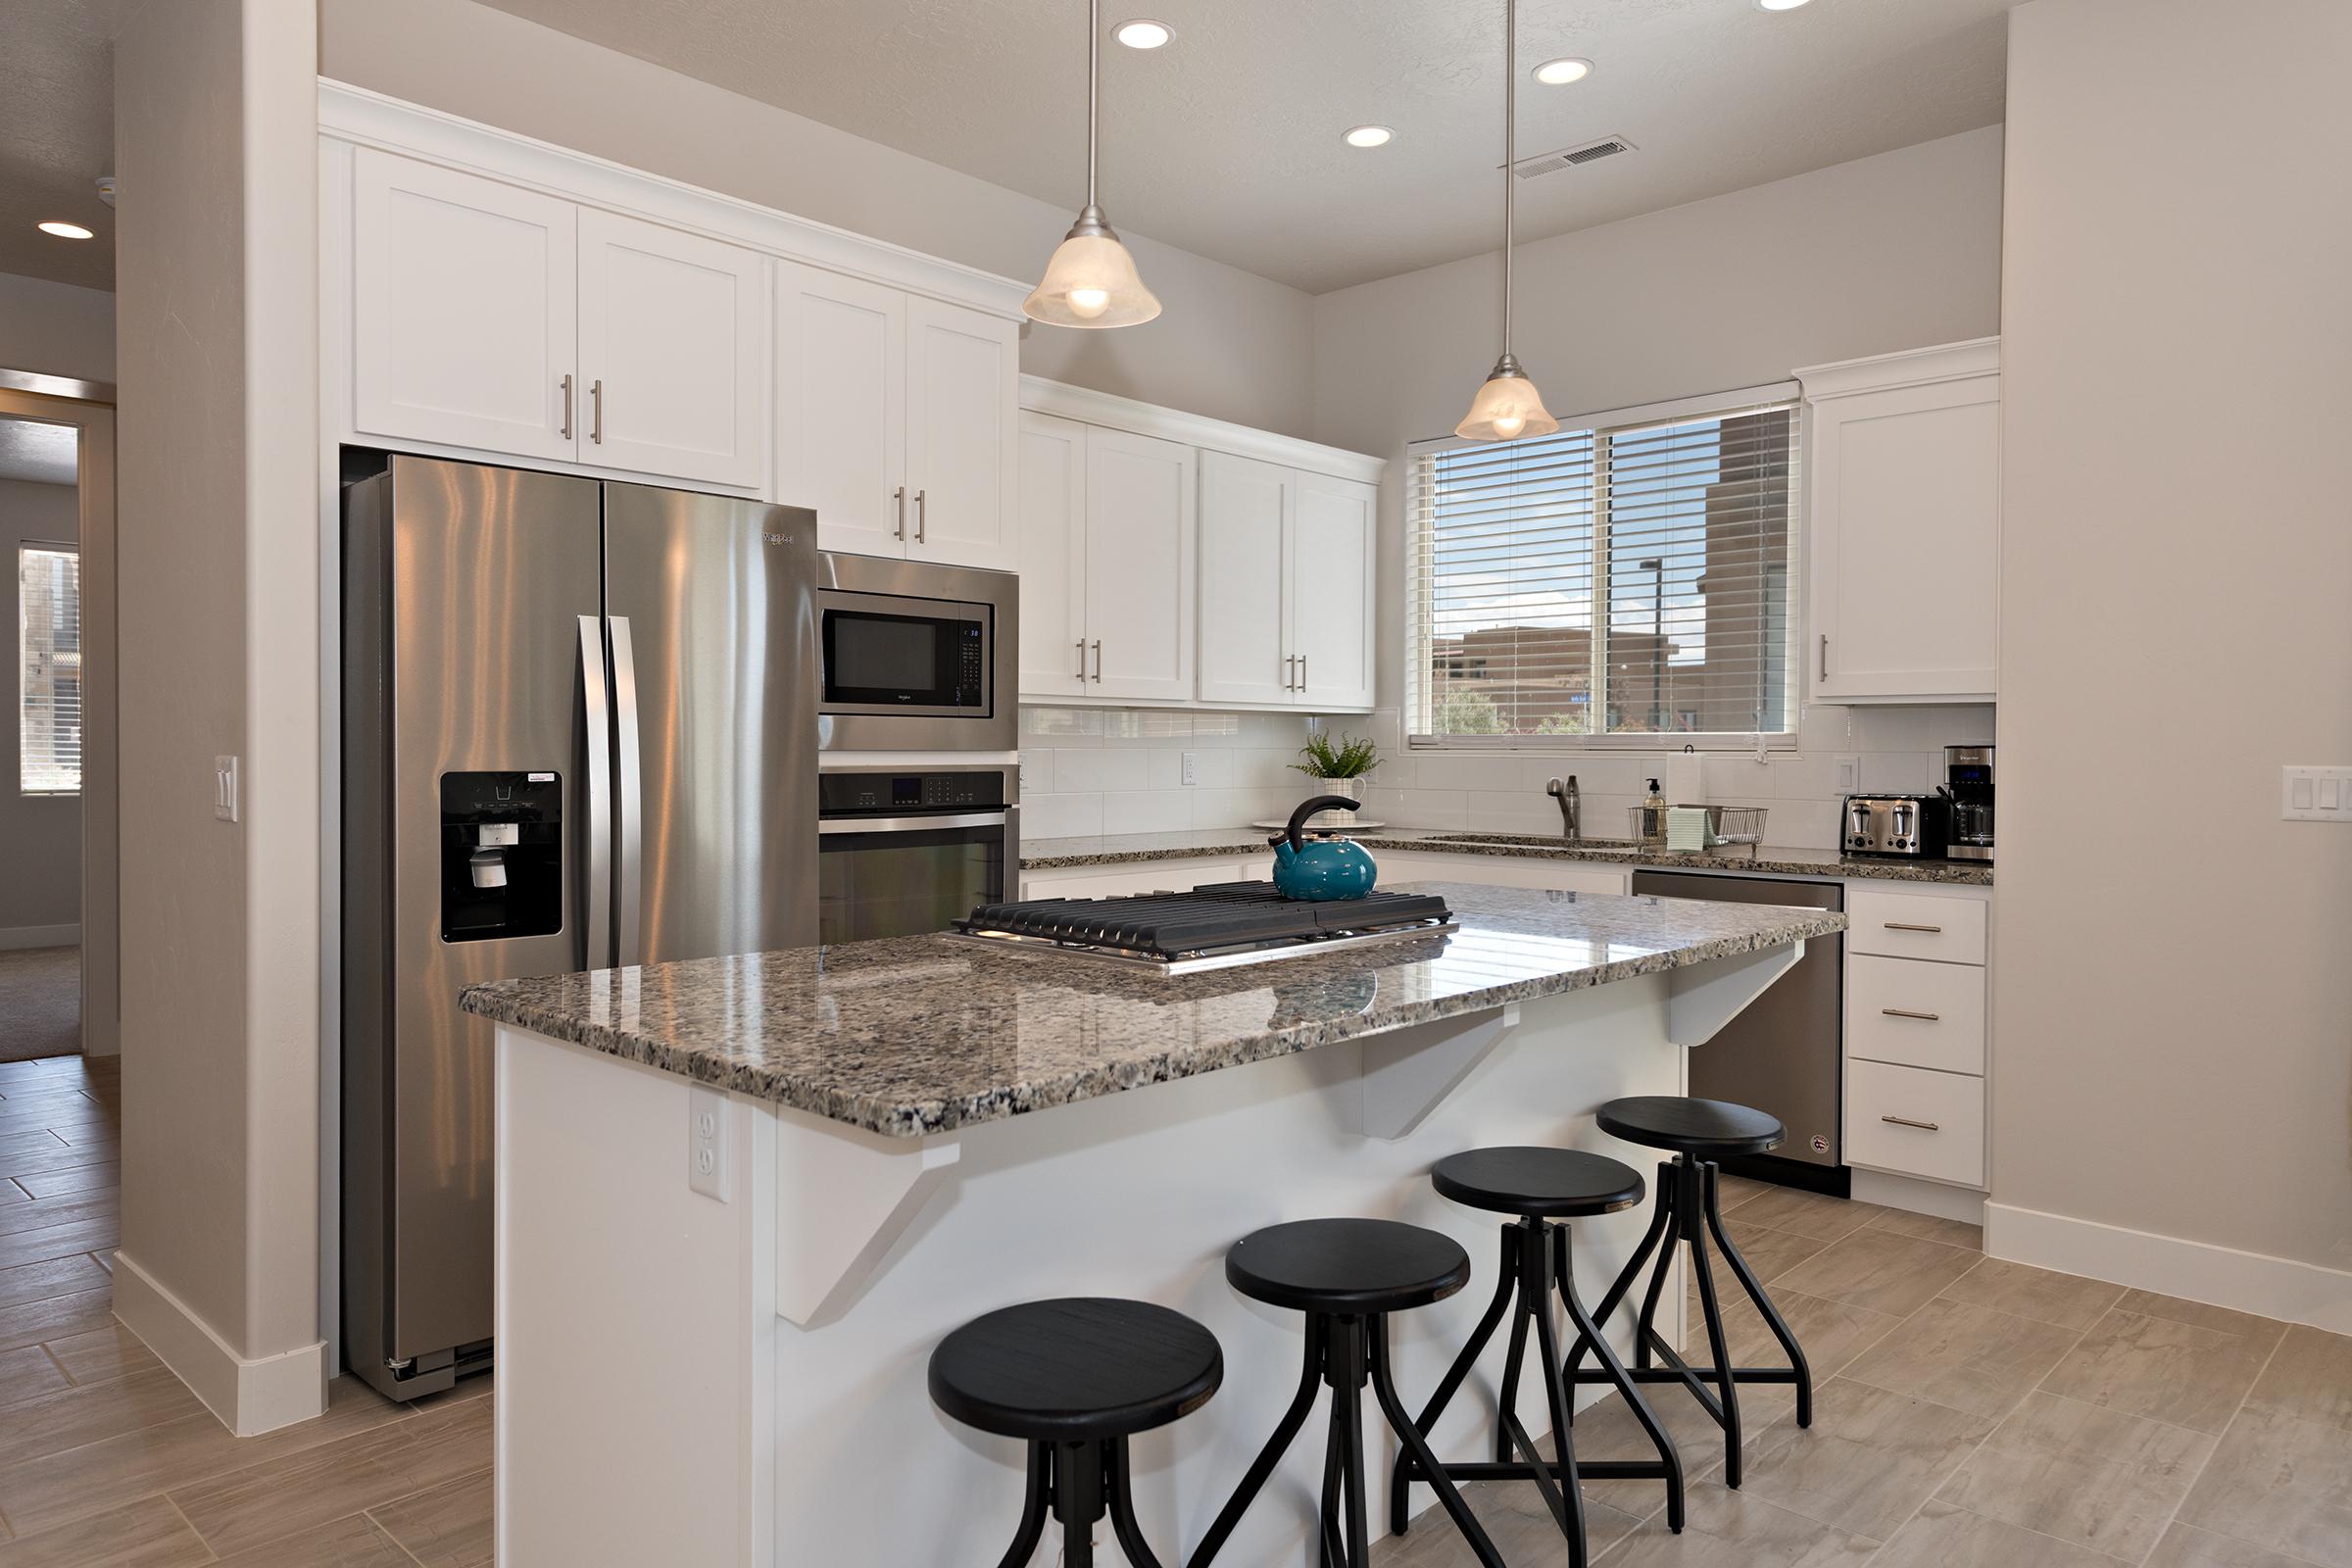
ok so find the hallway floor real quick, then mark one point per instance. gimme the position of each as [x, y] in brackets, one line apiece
[1970, 1413]
[40, 1002]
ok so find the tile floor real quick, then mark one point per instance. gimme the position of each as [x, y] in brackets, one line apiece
[1970, 1413]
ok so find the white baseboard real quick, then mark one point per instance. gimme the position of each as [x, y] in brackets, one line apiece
[250, 1396]
[2223, 1276]
[15, 937]
[1913, 1196]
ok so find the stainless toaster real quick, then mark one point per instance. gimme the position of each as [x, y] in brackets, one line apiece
[1914, 826]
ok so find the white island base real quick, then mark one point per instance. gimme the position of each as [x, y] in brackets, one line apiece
[684, 1379]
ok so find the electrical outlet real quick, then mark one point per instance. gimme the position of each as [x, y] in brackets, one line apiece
[1849, 774]
[1192, 767]
[2315, 794]
[225, 788]
[706, 1162]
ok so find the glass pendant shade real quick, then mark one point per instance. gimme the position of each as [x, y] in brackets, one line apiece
[1091, 281]
[1508, 407]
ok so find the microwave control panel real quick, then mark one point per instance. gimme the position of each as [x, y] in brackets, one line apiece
[846, 793]
[971, 674]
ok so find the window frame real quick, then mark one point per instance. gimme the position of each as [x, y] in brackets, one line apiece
[1421, 581]
[66, 547]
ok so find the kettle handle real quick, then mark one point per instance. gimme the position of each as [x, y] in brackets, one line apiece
[1307, 809]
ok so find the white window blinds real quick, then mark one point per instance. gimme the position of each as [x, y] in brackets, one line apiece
[1627, 580]
[49, 669]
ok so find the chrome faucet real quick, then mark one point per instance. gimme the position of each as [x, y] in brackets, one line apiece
[1564, 791]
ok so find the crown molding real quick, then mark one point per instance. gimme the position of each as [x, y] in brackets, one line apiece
[1879, 372]
[1088, 407]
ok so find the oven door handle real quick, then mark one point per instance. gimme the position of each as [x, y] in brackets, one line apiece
[910, 824]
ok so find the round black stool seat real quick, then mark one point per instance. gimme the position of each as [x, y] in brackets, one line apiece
[1705, 1127]
[1346, 1266]
[1542, 1183]
[1079, 1368]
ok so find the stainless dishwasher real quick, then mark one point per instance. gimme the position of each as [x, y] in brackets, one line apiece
[1784, 1054]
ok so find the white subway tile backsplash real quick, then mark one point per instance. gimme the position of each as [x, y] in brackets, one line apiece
[1060, 816]
[1729, 773]
[1898, 772]
[1145, 726]
[1465, 771]
[1146, 811]
[1037, 771]
[1804, 775]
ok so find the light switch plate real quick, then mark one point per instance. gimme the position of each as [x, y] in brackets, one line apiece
[707, 1161]
[2315, 794]
[1192, 767]
[225, 788]
[1849, 774]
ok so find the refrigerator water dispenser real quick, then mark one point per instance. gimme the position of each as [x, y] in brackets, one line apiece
[502, 856]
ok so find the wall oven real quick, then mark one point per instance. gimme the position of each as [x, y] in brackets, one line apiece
[903, 852]
[915, 657]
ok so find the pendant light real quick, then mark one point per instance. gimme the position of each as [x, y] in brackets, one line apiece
[1091, 279]
[1507, 405]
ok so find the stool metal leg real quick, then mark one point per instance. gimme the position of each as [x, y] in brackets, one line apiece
[1334, 1545]
[1347, 1379]
[1720, 1351]
[1755, 1292]
[1078, 1499]
[1032, 1529]
[1569, 1509]
[1384, 1390]
[1285, 1430]
[1661, 1215]
[1123, 1524]
[1589, 1331]
[1506, 1284]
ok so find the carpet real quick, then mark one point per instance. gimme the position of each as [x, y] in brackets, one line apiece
[40, 1002]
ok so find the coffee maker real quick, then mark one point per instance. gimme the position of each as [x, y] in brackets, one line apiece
[1967, 780]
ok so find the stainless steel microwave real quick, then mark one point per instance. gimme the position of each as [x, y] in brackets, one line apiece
[914, 657]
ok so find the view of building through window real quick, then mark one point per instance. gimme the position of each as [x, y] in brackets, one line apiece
[1691, 526]
[49, 669]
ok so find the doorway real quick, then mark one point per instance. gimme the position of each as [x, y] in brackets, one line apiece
[59, 961]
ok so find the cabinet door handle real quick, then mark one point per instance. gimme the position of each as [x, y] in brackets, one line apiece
[1098, 661]
[1082, 659]
[1824, 656]
[565, 433]
[1906, 1122]
[1897, 925]
[1289, 681]
[1906, 1012]
[1303, 673]
[596, 404]
[898, 499]
[918, 517]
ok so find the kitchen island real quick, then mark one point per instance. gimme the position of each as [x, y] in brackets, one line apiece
[739, 1200]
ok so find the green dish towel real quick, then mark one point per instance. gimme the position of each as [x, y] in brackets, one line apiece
[1685, 827]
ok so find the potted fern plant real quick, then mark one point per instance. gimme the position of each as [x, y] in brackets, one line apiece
[1338, 763]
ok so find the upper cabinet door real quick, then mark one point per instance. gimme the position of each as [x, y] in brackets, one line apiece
[1140, 537]
[463, 303]
[1333, 559]
[1906, 520]
[963, 434]
[673, 352]
[1052, 553]
[841, 408]
[1246, 511]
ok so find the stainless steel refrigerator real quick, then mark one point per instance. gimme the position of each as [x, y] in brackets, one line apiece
[579, 730]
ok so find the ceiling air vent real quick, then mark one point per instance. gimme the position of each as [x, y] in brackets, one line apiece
[1570, 157]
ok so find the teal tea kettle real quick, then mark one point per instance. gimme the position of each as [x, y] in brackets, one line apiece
[1336, 868]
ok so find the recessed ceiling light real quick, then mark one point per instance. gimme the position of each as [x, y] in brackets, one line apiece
[1779, 5]
[1369, 136]
[65, 230]
[1143, 33]
[1559, 72]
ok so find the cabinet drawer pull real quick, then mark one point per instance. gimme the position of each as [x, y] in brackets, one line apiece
[1897, 925]
[1906, 1012]
[1906, 1122]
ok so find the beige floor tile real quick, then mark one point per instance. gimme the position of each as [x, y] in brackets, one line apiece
[11, 1193]
[353, 1542]
[74, 1179]
[1965, 1357]
[71, 1208]
[1770, 1253]
[2187, 1546]
[2023, 1291]
[1829, 1332]
[59, 1316]
[2310, 1377]
[2164, 1368]
[101, 1354]
[2221, 1319]
[1608, 1430]
[451, 1525]
[70, 1417]
[1803, 1213]
[1930, 1228]
[1880, 1270]
[238, 1512]
[27, 1373]
[56, 1276]
[1867, 1462]
[1513, 1513]
[1732, 1190]
[1945, 1536]
[147, 1534]
[35, 1161]
[58, 1241]
[2279, 1483]
[1738, 1530]
[2095, 1477]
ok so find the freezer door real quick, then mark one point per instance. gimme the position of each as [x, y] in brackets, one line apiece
[710, 610]
[486, 575]
[1785, 1052]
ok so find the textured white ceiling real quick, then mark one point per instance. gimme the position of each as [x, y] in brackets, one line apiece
[39, 453]
[57, 136]
[1227, 141]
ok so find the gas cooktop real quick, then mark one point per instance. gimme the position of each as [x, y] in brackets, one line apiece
[1213, 927]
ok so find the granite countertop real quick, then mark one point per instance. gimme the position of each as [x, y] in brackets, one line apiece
[1127, 849]
[916, 1035]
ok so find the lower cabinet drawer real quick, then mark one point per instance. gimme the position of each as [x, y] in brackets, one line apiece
[1915, 1123]
[1914, 1014]
[1915, 926]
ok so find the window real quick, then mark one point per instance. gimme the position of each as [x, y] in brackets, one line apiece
[49, 669]
[1600, 586]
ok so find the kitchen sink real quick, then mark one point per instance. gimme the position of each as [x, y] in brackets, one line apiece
[1549, 840]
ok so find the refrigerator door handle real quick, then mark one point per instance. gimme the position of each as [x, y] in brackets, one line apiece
[629, 902]
[596, 733]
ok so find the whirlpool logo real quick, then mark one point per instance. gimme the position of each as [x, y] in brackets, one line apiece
[780, 538]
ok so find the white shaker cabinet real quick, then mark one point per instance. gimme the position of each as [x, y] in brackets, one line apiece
[466, 310]
[1053, 545]
[1142, 533]
[1331, 556]
[1248, 517]
[673, 334]
[963, 370]
[1904, 487]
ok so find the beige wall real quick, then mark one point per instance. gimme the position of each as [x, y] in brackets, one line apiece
[1232, 345]
[55, 328]
[40, 835]
[2172, 1007]
[216, 144]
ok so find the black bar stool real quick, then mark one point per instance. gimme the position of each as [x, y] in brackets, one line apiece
[1348, 1275]
[1074, 1378]
[1698, 1132]
[1540, 1185]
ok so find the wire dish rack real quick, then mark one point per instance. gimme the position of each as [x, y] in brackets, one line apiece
[1728, 826]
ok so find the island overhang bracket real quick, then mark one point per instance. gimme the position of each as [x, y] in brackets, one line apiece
[1407, 1072]
[1702, 998]
[844, 1197]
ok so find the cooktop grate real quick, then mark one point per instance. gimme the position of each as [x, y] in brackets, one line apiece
[1228, 922]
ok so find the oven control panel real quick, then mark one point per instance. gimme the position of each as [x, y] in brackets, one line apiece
[846, 793]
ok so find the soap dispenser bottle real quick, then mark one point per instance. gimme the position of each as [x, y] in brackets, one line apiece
[1654, 813]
